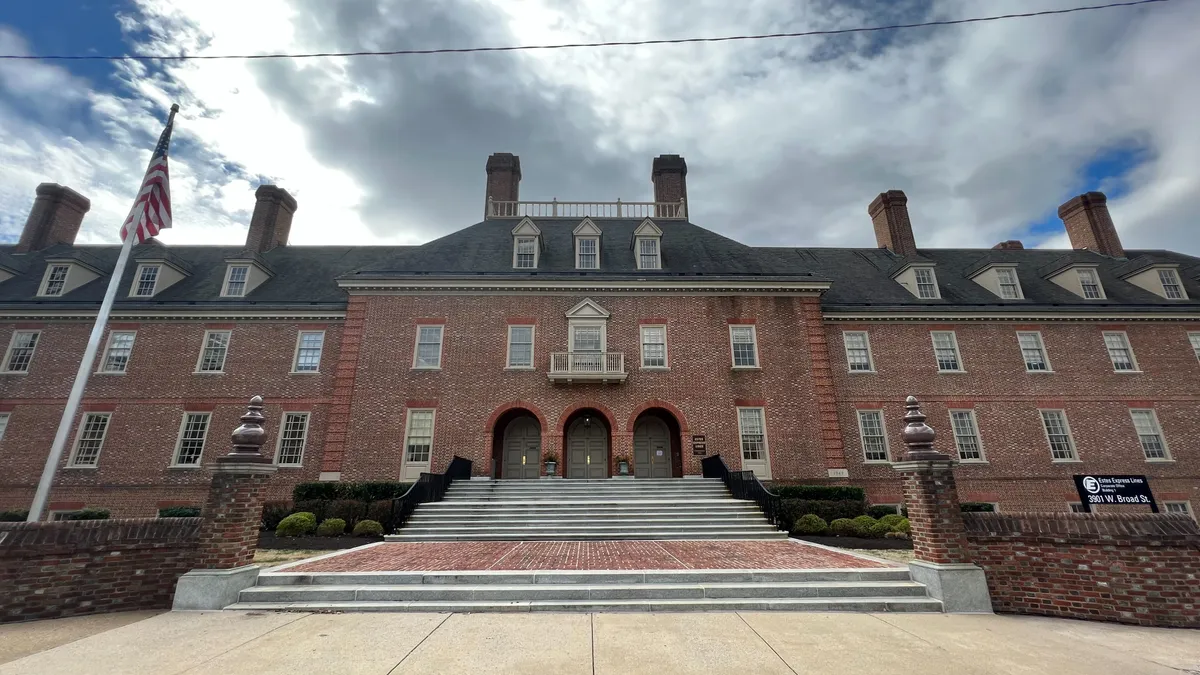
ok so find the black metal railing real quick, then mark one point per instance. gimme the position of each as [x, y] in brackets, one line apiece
[745, 485]
[430, 487]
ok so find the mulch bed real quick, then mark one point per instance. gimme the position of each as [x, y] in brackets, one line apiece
[268, 541]
[858, 542]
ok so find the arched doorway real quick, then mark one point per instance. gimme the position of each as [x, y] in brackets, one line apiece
[517, 445]
[587, 440]
[656, 446]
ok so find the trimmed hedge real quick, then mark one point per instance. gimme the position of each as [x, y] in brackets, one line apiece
[879, 512]
[828, 510]
[381, 512]
[14, 516]
[367, 528]
[369, 491]
[331, 527]
[810, 524]
[893, 519]
[821, 492]
[977, 507]
[273, 513]
[179, 512]
[88, 514]
[296, 525]
[844, 527]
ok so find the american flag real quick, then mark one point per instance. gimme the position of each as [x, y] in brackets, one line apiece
[152, 210]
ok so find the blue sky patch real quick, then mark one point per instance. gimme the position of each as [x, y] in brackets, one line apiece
[1107, 171]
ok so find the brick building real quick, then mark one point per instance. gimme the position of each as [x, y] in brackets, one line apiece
[596, 331]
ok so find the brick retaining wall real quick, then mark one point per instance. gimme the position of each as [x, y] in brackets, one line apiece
[1130, 568]
[50, 570]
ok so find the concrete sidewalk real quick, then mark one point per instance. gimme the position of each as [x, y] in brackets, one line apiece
[231, 643]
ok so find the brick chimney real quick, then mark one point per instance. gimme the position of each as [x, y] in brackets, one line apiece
[503, 179]
[55, 218]
[272, 219]
[1089, 225]
[669, 175]
[893, 229]
[1010, 245]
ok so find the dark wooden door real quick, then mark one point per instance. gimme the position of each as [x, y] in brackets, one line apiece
[587, 450]
[651, 449]
[522, 449]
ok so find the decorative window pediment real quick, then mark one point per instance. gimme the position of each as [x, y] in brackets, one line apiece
[526, 228]
[647, 246]
[587, 309]
[587, 245]
[527, 245]
[587, 228]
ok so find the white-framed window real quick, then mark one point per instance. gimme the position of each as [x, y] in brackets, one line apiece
[945, 351]
[235, 281]
[1194, 339]
[587, 337]
[293, 433]
[1033, 350]
[1172, 289]
[1058, 435]
[90, 440]
[525, 253]
[3, 424]
[309, 345]
[752, 430]
[743, 342]
[428, 352]
[1076, 507]
[20, 350]
[147, 281]
[1120, 352]
[858, 351]
[55, 281]
[520, 346]
[648, 253]
[587, 253]
[192, 432]
[214, 351]
[874, 438]
[654, 346]
[1089, 282]
[418, 436]
[966, 435]
[1150, 435]
[1010, 285]
[117, 351]
[927, 287]
[1178, 507]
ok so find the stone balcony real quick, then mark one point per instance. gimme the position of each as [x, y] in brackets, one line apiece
[587, 367]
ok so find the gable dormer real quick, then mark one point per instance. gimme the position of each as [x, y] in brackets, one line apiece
[587, 245]
[1001, 279]
[647, 246]
[1159, 277]
[243, 274]
[1081, 278]
[65, 274]
[527, 245]
[156, 271]
[918, 278]
[10, 267]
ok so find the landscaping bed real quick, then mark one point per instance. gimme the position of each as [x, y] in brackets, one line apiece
[857, 543]
[270, 541]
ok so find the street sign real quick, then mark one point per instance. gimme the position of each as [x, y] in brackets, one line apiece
[1115, 491]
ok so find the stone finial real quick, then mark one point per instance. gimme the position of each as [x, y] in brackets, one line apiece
[248, 438]
[918, 436]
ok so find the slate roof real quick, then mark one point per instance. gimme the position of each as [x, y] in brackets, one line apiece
[306, 277]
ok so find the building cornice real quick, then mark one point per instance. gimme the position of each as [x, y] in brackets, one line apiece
[639, 286]
[174, 315]
[1010, 316]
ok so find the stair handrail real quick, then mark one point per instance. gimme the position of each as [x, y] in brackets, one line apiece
[430, 487]
[745, 485]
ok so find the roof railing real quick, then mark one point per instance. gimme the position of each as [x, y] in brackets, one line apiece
[597, 210]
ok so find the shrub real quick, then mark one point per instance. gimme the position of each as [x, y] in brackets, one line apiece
[878, 530]
[179, 512]
[828, 510]
[903, 527]
[367, 528]
[88, 514]
[977, 507]
[844, 527]
[374, 491]
[331, 527]
[381, 512]
[14, 516]
[349, 510]
[296, 525]
[864, 524]
[821, 492]
[892, 519]
[318, 507]
[879, 512]
[273, 512]
[810, 524]
[316, 490]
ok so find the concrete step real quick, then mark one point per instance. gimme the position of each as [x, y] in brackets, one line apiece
[832, 604]
[605, 501]
[601, 526]
[606, 496]
[551, 520]
[585, 577]
[585, 535]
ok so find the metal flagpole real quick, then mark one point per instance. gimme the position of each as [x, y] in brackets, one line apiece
[85, 366]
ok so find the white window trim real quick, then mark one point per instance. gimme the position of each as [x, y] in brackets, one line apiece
[766, 449]
[962, 367]
[1016, 281]
[1162, 436]
[536, 251]
[204, 346]
[1128, 345]
[978, 436]
[1178, 282]
[417, 344]
[46, 280]
[602, 324]
[12, 341]
[79, 437]
[532, 347]
[5, 420]
[870, 354]
[104, 354]
[1195, 346]
[179, 440]
[137, 276]
[753, 332]
[637, 250]
[408, 415]
[642, 346]
[862, 439]
[937, 289]
[296, 353]
[303, 442]
[1045, 353]
[1187, 506]
[1070, 436]
[1099, 284]
[593, 237]
[229, 274]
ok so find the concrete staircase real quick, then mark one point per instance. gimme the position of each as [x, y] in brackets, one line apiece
[558, 510]
[855, 590]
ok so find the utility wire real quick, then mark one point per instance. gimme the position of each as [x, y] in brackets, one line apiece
[572, 45]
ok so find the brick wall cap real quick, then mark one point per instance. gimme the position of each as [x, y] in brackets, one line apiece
[276, 194]
[64, 194]
[1085, 200]
[886, 199]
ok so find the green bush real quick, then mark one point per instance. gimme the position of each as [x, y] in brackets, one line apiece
[878, 530]
[370, 491]
[367, 528]
[864, 525]
[892, 519]
[828, 510]
[844, 527]
[811, 524]
[88, 514]
[381, 512]
[977, 507]
[326, 490]
[14, 516]
[902, 527]
[273, 512]
[179, 512]
[331, 527]
[349, 510]
[318, 507]
[296, 525]
[878, 512]
[821, 492]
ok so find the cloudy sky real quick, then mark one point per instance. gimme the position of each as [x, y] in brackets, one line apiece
[987, 127]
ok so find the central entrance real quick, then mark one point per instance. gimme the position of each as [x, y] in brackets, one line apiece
[522, 449]
[651, 448]
[587, 447]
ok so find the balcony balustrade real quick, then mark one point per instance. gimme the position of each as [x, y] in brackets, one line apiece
[587, 367]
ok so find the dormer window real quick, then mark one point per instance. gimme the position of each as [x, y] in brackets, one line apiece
[998, 278]
[647, 246]
[1172, 289]
[147, 281]
[56, 280]
[927, 288]
[1089, 283]
[235, 281]
[1010, 286]
[527, 245]
[587, 253]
